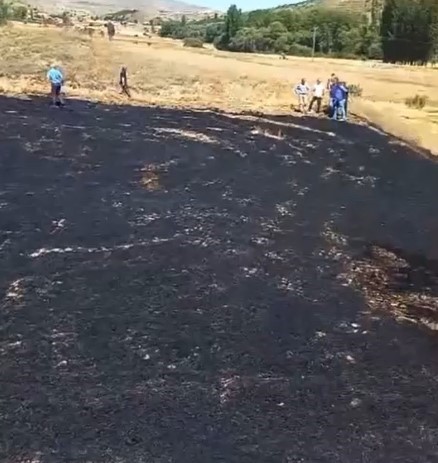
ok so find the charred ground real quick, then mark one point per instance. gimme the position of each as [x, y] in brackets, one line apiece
[182, 286]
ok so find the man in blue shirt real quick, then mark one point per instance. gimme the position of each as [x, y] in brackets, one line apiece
[56, 80]
[338, 94]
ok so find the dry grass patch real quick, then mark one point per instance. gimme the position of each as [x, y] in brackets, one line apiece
[150, 178]
[391, 281]
[189, 135]
[26, 55]
[274, 134]
[417, 101]
[393, 284]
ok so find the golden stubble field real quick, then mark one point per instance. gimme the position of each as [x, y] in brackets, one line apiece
[163, 72]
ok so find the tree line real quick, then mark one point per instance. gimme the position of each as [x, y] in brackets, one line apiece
[11, 11]
[294, 31]
[409, 31]
[404, 31]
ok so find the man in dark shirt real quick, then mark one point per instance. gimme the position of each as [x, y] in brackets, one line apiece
[123, 82]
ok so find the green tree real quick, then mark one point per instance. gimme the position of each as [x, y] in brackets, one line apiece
[4, 12]
[174, 29]
[233, 22]
[212, 31]
[19, 13]
[276, 29]
[408, 31]
[375, 51]
[431, 18]
[282, 43]
[66, 21]
[251, 40]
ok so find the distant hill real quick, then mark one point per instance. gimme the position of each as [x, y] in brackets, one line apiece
[147, 8]
[349, 5]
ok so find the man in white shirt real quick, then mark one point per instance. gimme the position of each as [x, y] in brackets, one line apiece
[318, 94]
[302, 91]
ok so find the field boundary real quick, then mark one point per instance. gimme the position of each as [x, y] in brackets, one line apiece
[358, 114]
[361, 110]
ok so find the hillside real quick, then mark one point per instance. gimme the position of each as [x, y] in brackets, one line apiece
[149, 8]
[352, 5]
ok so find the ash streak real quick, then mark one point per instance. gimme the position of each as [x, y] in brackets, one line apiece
[85, 250]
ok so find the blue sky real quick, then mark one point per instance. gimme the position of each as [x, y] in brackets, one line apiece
[243, 4]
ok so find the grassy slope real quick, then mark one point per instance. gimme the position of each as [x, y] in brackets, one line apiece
[356, 5]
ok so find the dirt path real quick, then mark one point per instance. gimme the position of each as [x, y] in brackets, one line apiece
[182, 287]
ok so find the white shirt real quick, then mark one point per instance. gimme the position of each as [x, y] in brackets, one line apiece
[302, 89]
[318, 90]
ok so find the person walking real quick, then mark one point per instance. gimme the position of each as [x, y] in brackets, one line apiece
[318, 94]
[56, 79]
[302, 91]
[337, 101]
[123, 81]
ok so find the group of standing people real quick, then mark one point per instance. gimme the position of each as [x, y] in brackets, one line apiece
[337, 91]
[307, 97]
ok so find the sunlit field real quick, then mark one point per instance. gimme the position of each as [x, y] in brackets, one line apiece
[163, 72]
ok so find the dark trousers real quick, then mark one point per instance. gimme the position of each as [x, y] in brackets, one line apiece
[56, 89]
[125, 89]
[318, 103]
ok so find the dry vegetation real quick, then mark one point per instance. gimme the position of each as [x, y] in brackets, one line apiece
[164, 72]
[391, 280]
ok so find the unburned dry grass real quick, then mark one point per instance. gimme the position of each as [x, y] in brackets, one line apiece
[163, 72]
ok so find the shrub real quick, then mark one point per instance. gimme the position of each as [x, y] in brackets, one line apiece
[299, 50]
[221, 42]
[417, 101]
[375, 51]
[193, 42]
[344, 55]
[355, 90]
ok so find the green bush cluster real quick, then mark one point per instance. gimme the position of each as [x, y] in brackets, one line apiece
[288, 31]
[193, 42]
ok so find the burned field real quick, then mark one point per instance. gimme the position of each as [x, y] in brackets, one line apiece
[183, 286]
